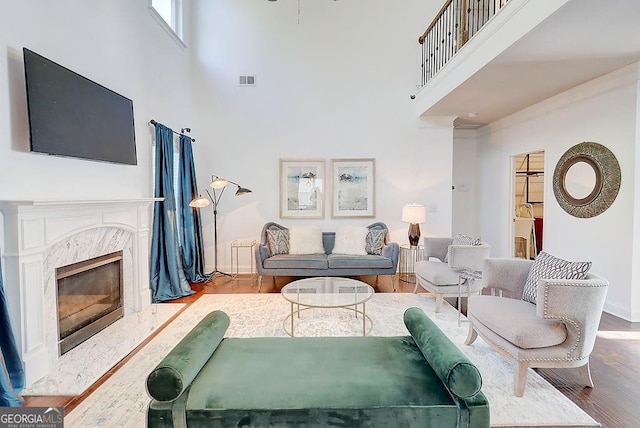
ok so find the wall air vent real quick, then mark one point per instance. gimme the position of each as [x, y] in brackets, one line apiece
[247, 80]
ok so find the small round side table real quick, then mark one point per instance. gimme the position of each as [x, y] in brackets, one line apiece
[409, 255]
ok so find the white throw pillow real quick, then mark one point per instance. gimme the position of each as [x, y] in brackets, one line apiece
[351, 240]
[305, 240]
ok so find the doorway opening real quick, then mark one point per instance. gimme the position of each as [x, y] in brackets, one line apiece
[528, 210]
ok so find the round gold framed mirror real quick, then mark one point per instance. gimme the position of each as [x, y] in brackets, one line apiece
[586, 180]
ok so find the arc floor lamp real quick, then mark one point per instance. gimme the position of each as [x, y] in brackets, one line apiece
[217, 184]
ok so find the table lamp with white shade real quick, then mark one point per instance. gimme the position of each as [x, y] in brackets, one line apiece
[414, 214]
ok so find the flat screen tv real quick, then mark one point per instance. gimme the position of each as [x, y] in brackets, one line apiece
[70, 115]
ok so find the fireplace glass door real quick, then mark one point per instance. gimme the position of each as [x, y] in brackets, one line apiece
[89, 298]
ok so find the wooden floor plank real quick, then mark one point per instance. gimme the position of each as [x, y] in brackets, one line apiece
[615, 399]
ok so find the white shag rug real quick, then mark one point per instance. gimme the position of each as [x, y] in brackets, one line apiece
[122, 400]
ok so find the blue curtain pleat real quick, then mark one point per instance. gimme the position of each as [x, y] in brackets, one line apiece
[12, 373]
[191, 242]
[167, 280]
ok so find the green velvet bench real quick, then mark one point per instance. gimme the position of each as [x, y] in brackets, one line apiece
[421, 380]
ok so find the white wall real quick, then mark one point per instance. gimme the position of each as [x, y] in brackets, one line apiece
[603, 111]
[466, 218]
[334, 85]
[116, 43]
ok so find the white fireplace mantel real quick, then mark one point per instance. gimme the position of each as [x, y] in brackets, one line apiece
[45, 234]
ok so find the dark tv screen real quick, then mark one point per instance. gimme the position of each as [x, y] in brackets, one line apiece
[70, 115]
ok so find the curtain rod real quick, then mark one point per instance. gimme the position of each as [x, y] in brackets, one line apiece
[193, 140]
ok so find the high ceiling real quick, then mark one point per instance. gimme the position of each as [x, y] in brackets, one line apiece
[581, 41]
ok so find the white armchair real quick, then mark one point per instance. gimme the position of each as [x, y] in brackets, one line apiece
[559, 331]
[440, 277]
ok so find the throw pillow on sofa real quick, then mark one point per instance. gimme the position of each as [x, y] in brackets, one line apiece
[547, 266]
[375, 241]
[461, 239]
[305, 240]
[351, 240]
[278, 241]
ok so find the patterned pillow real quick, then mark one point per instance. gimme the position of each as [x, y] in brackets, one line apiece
[375, 241]
[550, 267]
[278, 241]
[461, 239]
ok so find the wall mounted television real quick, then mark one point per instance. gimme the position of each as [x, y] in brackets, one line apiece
[70, 115]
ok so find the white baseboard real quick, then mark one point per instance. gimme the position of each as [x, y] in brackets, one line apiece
[624, 312]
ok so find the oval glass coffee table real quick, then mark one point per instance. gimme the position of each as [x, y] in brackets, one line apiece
[327, 292]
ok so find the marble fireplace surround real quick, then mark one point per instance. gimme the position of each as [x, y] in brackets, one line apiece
[41, 236]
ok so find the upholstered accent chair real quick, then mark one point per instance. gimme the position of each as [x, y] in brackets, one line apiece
[558, 331]
[440, 277]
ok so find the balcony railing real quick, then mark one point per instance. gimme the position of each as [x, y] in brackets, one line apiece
[456, 23]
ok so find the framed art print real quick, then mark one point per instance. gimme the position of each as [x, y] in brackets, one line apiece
[353, 188]
[301, 188]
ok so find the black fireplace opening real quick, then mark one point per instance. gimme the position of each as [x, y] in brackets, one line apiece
[89, 298]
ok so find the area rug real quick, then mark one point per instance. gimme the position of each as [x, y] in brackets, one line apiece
[122, 399]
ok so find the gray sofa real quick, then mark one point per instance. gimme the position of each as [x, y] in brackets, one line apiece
[327, 264]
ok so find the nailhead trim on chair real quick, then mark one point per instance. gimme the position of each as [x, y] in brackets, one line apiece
[563, 319]
[567, 320]
[526, 359]
[532, 362]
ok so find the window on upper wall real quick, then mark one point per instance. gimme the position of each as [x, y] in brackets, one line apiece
[169, 14]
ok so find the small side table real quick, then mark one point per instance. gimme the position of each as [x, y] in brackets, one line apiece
[409, 255]
[466, 276]
[235, 247]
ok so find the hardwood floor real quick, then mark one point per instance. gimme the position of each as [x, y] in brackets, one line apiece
[615, 361]
[615, 370]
